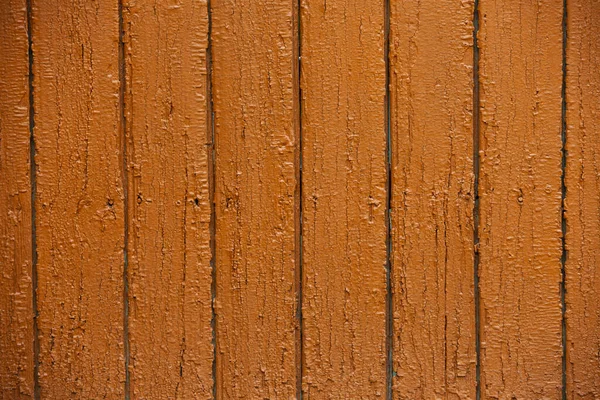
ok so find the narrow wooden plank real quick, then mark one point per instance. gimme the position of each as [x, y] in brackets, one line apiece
[583, 200]
[255, 198]
[344, 198]
[168, 148]
[79, 203]
[16, 307]
[520, 191]
[431, 98]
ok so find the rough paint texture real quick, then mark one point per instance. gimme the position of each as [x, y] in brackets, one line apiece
[139, 221]
[169, 248]
[255, 198]
[520, 192]
[16, 312]
[431, 76]
[79, 201]
[344, 199]
[583, 200]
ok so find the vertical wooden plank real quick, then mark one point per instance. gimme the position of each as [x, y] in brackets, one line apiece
[16, 307]
[170, 309]
[255, 197]
[344, 198]
[431, 100]
[79, 203]
[583, 200]
[520, 191]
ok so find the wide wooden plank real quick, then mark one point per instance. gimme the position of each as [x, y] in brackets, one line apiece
[79, 200]
[583, 200]
[344, 198]
[255, 105]
[16, 306]
[169, 240]
[431, 94]
[520, 192]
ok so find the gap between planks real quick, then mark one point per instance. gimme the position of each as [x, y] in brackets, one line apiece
[211, 194]
[125, 184]
[32, 177]
[297, 70]
[388, 211]
[476, 210]
[563, 166]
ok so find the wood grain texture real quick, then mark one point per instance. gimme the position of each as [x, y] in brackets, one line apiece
[520, 192]
[344, 199]
[582, 201]
[168, 149]
[255, 105]
[79, 199]
[16, 307]
[431, 88]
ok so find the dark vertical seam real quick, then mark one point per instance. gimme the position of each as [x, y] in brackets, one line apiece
[563, 185]
[476, 210]
[211, 194]
[125, 183]
[389, 323]
[299, 213]
[33, 183]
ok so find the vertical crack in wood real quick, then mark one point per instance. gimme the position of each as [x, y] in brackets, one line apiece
[388, 217]
[211, 194]
[476, 210]
[32, 178]
[563, 198]
[125, 183]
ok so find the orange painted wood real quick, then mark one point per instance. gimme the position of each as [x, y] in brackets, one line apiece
[16, 303]
[79, 198]
[343, 199]
[210, 194]
[431, 94]
[583, 200]
[168, 161]
[255, 106]
[520, 191]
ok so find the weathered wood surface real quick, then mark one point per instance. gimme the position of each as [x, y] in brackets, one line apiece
[79, 198]
[257, 199]
[169, 240]
[343, 198]
[255, 108]
[431, 88]
[582, 201]
[16, 256]
[520, 192]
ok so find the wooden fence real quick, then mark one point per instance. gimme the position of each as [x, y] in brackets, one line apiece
[264, 199]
